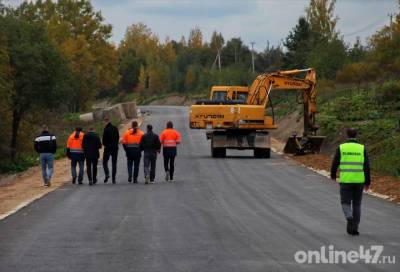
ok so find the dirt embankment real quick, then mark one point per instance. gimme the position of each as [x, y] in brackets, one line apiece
[384, 185]
[172, 101]
[17, 191]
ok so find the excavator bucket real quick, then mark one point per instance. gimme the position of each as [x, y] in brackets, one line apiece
[298, 145]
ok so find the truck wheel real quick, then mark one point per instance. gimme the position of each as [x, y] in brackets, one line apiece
[218, 152]
[262, 153]
[267, 153]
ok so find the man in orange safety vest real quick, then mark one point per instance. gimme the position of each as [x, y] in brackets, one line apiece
[169, 138]
[131, 144]
[75, 154]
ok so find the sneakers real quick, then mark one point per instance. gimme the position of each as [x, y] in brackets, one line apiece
[135, 181]
[152, 181]
[90, 183]
[146, 178]
[106, 179]
[80, 179]
[130, 179]
[167, 175]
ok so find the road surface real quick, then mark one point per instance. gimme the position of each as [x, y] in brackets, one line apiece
[234, 214]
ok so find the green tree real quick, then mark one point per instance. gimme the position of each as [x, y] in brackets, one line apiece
[322, 20]
[298, 44]
[38, 71]
[195, 38]
[236, 52]
[78, 30]
[129, 69]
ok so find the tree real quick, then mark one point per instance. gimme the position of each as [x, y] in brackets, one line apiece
[129, 69]
[77, 30]
[271, 59]
[235, 51]
[320, 15]
[327, 57]
[217, 42]
[38, 70]
[298, 44]
[6, 88]
[195, 38]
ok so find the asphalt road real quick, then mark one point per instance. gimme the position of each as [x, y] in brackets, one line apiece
[234, 214]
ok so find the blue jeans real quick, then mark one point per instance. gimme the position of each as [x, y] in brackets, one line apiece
[47, 162]
[74, 162]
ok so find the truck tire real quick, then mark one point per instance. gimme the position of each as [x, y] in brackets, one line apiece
[218, 152]
[262, 153]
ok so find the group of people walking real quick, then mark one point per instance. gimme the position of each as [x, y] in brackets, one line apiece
[83, 147]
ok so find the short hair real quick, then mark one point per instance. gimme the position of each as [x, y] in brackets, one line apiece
[170, 124]
[351, 133]
[45, 128]
[134, 124]
[149, 127]
[91, 128]
[106, 119]
[78, 129]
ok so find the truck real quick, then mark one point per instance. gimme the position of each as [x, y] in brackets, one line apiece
[235, 117]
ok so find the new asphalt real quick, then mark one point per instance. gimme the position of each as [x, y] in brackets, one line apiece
[233, 214]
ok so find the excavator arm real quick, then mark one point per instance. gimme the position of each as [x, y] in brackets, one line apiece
[286, 80]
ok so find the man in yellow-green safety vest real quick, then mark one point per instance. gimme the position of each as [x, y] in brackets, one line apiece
[352, 160]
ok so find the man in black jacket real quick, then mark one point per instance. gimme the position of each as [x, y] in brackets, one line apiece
[91, 145]
[46, 146]
[151, 145]
[110, 143]
[352, 160]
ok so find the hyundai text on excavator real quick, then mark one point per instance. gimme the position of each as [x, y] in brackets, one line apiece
[235, 116]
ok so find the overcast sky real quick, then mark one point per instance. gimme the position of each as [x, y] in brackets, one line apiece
[252, 20]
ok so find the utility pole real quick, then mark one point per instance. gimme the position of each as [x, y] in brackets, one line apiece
[252, 55]
[219, 59]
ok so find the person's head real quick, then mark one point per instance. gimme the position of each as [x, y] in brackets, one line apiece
[45, 128]
[134, 126]
[351, 133]
[78, 129]
[149, 128]
[91, 129]
[170, 124]
[106, 120]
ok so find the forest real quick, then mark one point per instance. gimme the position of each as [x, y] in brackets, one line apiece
[57, 59]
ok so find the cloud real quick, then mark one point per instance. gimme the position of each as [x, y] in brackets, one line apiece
[261, 21]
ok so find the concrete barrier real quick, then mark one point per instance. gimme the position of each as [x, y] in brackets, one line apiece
[120, 111]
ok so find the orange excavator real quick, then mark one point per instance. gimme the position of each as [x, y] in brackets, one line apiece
[235, 116]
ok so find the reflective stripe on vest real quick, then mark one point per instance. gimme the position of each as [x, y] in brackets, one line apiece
[352, 163]
[76, 150]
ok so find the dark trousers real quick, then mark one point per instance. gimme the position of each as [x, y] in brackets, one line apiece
[91, 168]
[106, 156]
[74, 163]
[150, 165]
[169, 162]
[133, 166]
[350, 198]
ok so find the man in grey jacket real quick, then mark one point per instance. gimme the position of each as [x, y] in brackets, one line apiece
[151, 145]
